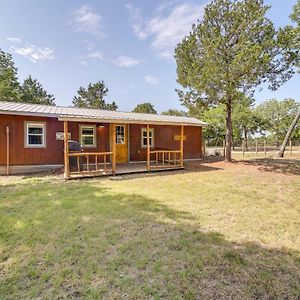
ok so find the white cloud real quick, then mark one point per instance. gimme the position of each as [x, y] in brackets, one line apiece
[125, 61]
[96, 55]
[166, 29]
[151, 80]
[139, 23]
[13, 39]
[86, 20]
[34, 53]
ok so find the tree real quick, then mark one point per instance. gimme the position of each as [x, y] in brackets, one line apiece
[175, 112]
[145, 108]
[245, 119]
[295, 31]
[93, 97]
[278, 115]
[231, 51]
[288, 135]
[295, 17]
[32, 92]
[9, 85]
[214, 132]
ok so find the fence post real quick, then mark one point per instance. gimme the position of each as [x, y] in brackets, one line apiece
[243, 148]
[265, 147]
[291, 148]
[224, 148]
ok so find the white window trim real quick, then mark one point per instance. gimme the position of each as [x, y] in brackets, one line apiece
[143, 129]
[82, 126]
[124, 135]
[26, 135]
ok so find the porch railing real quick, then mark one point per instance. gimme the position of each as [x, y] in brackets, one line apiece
[165, 158]
[92, 164]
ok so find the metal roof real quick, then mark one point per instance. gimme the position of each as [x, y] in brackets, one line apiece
[93, 115]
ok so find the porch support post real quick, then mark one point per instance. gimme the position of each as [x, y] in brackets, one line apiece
[148, 147]
[181, 146]
[113, 165]
[7, 150]
[66, 150]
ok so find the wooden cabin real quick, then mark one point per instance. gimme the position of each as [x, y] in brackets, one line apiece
[36, 138]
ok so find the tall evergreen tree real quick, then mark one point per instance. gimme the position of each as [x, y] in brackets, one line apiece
[32, 91]
[9, 85]
[231, 51]
[93, 97]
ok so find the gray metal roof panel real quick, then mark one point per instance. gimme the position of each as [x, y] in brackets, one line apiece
[74, 112]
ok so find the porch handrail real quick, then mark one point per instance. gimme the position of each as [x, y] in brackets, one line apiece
[164, 151]
[88, 164]
[168, 158]
[88, 153]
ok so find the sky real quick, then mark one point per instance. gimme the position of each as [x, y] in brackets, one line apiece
[127, 44]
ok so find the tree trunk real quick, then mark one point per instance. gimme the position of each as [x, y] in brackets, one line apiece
[246, 138]
[288, 135]
[228, 132]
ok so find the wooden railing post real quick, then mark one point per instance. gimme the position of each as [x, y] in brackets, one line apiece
[181, 146]
[148, 147]
[114, 149]
[66, 150]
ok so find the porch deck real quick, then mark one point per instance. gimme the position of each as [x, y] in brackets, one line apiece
[122, 169]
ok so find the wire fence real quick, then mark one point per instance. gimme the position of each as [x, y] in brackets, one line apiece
[256, 148]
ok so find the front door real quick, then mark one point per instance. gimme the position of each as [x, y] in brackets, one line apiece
[121, 143]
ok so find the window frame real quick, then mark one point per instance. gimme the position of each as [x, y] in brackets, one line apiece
[29, 124]
[124, 135]
[151, 138]
[83, 126]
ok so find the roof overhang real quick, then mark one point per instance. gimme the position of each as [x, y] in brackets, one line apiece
[125, 121]
[100, 120]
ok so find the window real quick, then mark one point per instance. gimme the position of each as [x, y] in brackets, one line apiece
[120, 134]
[144, 137]
[35, 135]
[87, 136]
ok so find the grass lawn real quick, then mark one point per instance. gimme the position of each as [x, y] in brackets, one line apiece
[213, 231]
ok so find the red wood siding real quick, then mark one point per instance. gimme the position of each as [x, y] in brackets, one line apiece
[164, 138]
[53, 152]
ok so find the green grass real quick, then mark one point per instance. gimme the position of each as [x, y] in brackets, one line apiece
[210, 232]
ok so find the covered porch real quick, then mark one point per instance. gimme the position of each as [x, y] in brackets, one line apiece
[94, 163]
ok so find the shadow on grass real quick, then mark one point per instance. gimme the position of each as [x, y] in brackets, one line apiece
[35, 178]
[284, 166]
[85, 241]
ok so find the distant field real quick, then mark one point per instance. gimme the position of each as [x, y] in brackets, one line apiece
[212, 231]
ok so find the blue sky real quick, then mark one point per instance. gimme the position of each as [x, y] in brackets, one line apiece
[128, 44]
